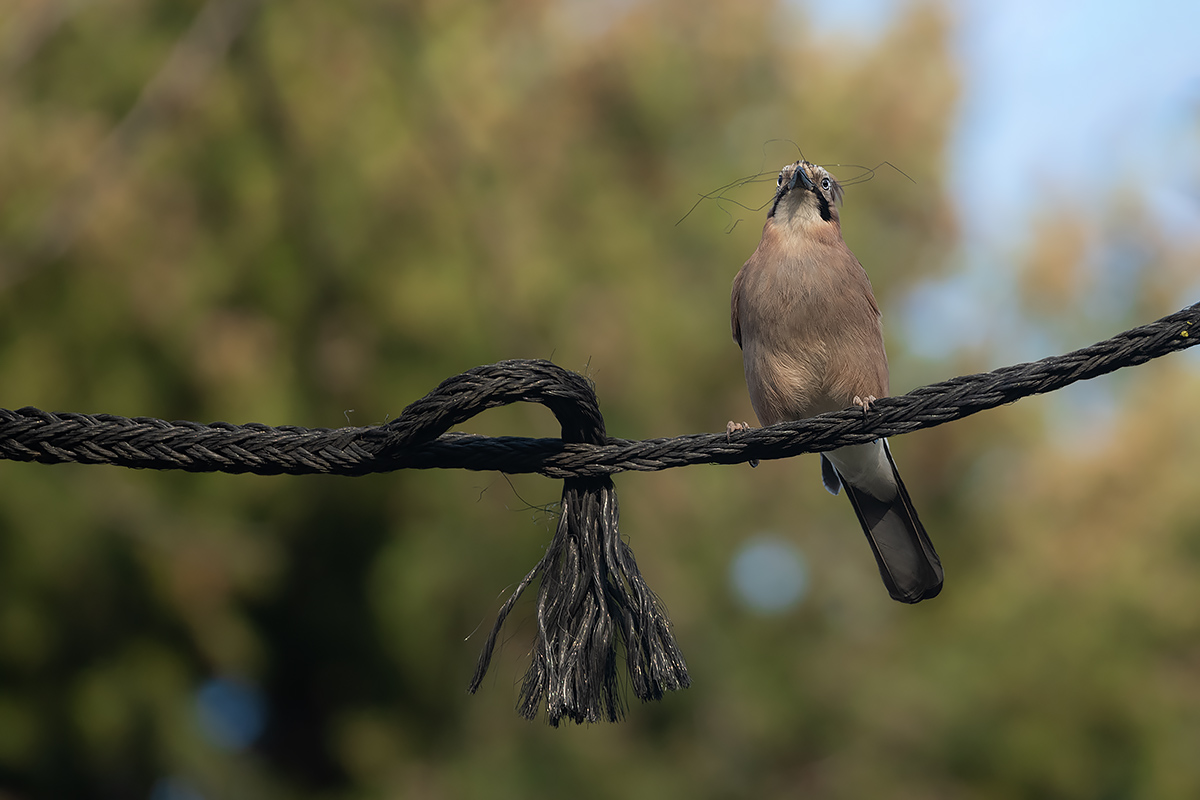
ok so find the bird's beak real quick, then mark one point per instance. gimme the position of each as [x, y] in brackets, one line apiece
[802, 174]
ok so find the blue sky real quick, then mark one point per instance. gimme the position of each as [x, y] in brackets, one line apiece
[1068, 96]
[1062, 102]
[1084, 96]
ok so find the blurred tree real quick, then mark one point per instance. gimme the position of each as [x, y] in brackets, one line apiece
[310, 213]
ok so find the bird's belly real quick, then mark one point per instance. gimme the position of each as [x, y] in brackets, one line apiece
[786, 385]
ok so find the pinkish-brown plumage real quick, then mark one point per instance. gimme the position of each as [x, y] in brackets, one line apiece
[804, 315]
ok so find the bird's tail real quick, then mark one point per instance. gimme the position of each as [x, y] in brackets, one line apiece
[909, 565]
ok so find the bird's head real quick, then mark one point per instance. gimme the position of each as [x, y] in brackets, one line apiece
[807, 194]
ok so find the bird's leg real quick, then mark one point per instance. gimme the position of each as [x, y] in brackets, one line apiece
[735, 427]
[865, 402]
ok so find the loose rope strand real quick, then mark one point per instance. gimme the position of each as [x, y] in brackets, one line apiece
[592, 601]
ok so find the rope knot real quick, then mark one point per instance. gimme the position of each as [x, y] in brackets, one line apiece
[592, 594]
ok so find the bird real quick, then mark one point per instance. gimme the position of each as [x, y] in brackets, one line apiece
[811, 336]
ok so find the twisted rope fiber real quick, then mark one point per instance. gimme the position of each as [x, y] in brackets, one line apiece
[591, 592]
[412, 441]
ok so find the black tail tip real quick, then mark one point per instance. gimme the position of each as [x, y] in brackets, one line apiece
[916, 595]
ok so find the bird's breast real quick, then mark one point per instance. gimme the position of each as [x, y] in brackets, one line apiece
[810, 330]
[784, 342]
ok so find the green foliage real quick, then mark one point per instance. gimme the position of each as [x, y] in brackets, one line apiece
[359, 199]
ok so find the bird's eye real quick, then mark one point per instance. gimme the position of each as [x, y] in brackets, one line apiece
[825, 184]
[779, 182]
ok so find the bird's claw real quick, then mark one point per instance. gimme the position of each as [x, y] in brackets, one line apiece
[865, 403]
[736, 427]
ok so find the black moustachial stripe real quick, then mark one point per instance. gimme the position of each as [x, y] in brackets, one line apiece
[822, 203]
[823, 206]
[778, 196]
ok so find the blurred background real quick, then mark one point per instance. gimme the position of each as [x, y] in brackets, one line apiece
[310, 213]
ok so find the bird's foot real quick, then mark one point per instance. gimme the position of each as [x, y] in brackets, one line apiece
[732, 427]
[736, 427]
[865, 403]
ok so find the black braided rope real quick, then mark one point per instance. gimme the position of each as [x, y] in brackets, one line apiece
[417, 439]
[591, 595]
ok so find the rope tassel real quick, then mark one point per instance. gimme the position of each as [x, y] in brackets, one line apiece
[591, 594]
